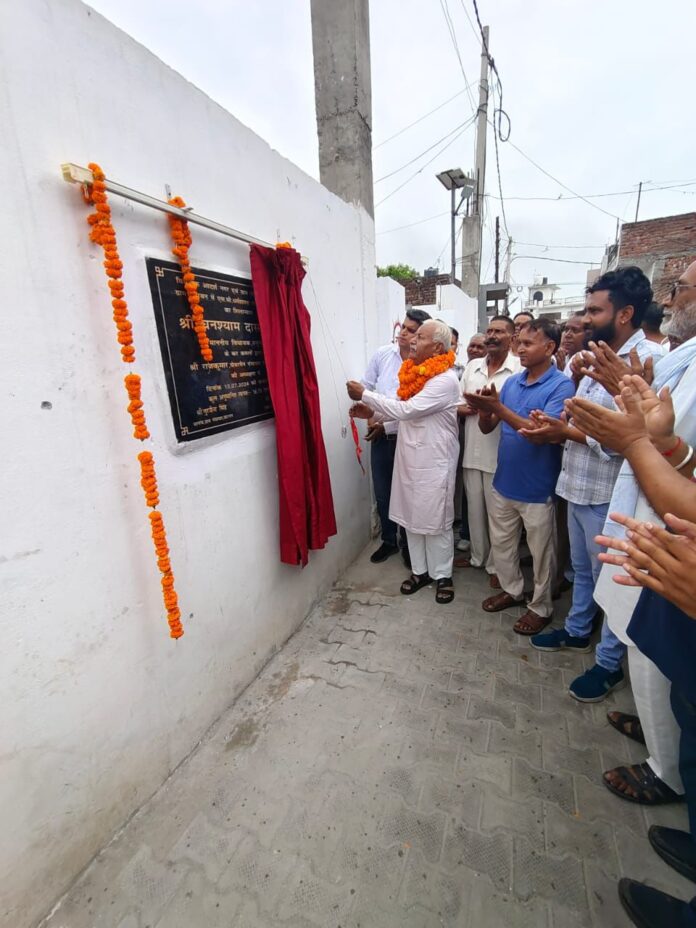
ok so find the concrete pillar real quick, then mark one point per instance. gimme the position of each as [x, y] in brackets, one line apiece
[343, 98]
[471, 254]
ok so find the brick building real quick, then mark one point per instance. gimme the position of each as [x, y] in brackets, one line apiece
[662, 248]
[423, 291]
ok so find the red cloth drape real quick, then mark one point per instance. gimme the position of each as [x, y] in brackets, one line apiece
[307, 517]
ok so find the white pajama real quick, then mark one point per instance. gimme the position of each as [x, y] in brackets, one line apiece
[651, 694]
[431, 554]
[651, 689]
[478, 486]
[507, 516]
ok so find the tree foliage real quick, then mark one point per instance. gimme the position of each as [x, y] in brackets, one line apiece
[398, 271]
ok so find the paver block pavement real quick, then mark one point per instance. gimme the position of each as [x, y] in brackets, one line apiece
[396, 765]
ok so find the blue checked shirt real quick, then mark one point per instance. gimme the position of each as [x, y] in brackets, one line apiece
[589, 472]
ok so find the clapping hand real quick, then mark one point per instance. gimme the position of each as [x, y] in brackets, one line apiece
[606, 367]
[658, 411]
[546, 429]
[484, 401]
[655, 558]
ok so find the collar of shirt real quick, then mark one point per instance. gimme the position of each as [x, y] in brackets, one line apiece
[547, 375]
[635, 339]
[481, 364]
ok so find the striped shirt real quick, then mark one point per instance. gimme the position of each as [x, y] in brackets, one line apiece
[589, 471]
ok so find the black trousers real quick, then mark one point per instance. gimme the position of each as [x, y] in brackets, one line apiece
[382, 465]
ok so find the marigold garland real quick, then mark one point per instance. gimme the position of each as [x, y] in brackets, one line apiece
[413, 377]
[182, 242]
[148, 479]
[135, 407]
[168, 592]
[103, 233]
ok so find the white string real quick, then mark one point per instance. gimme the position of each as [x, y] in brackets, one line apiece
[324, 329]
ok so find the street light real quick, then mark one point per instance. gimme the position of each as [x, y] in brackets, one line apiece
[455, 180]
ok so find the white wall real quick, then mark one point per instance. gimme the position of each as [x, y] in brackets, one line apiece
[390, 298]
[456, 309]
[99, 704]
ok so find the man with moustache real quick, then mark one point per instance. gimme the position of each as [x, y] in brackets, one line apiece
[572, 341]
[615, 305]
[526, 474]
[481, 450]
[382, 375]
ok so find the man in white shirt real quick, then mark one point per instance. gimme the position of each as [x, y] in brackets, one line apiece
[382, 376]
[422, 498]
[481, 451]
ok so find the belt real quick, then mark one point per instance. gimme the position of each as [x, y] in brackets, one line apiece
[391, 437]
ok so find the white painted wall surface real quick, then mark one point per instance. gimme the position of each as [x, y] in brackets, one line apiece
[456, 309]
[390, 300]
[99, 704]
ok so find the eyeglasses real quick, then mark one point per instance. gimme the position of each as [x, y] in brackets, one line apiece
[678, 287]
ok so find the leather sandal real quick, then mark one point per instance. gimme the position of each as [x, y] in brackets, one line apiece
[531, 624]
[648, 788]
[501, 601]
[445, 590]
[628, 725]
[415, 583]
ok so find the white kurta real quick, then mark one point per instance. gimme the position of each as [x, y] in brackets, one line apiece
[427, 450]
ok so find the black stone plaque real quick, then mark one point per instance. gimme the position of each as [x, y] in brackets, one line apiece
[232, 389]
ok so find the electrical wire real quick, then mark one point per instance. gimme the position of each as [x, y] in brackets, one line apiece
[466, 13]
[555, 260]
[462, 125]
[422, 168]
[418, 222]
[420, 119]
[540, 245]
[588, 196]
[450, 26]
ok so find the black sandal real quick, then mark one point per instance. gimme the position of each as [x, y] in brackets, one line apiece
[415, 583]
[649, 789]
[445, 590]
[628, 725]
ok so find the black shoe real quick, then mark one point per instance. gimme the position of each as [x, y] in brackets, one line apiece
[383, 552]
[649, 908]
[677, 848]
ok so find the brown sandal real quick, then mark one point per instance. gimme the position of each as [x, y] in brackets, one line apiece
[531, 624]
[463, 561]
[500, 601]
[648, 789]
[628, 725]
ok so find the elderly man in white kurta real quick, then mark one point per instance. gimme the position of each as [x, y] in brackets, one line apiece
[427, 449]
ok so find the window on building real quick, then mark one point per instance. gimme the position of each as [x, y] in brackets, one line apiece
[538, 297]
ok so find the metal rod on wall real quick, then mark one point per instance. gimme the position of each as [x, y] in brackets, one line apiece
[75, 174]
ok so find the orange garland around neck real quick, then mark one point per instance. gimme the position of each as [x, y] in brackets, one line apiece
[413, 377]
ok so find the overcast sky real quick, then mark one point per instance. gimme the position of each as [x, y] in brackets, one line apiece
[599, 94]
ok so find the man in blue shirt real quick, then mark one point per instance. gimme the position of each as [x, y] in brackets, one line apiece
[526, 475]
[382, 376]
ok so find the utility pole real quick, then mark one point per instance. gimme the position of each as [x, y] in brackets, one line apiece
[453, 272]
[471, 231]
[640, 188]
[508, 261]
[497, 249]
